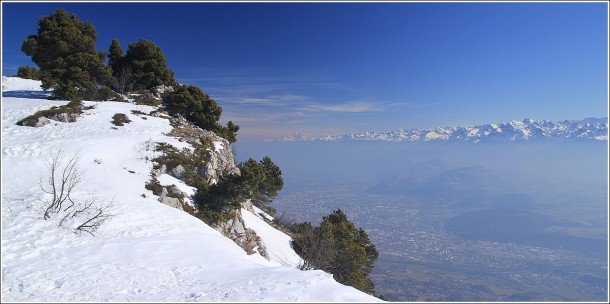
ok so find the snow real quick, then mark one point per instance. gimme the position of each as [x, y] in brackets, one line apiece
[168, 180]
[146, 252]
[218, 146]
[19, 84]
[278, 243]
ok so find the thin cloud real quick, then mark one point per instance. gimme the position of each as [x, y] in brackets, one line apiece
[350, 107]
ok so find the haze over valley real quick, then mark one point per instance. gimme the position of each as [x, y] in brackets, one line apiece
[515, 221]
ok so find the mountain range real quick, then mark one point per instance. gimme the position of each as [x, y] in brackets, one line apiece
[515, 130]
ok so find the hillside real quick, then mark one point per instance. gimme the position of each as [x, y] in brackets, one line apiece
[147, 251]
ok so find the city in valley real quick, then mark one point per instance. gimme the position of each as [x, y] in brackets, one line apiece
[422, 261]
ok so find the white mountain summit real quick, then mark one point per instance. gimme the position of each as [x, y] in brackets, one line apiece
[515, 130]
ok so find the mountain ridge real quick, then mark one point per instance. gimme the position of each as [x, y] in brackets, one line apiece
[515, 130]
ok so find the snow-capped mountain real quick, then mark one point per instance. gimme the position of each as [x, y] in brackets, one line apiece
[147, 251]
[515, 130]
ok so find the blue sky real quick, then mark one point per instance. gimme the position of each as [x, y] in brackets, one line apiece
[336, 68]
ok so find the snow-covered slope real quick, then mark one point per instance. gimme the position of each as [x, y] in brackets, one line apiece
[148, 251]
[20, 84]
[515, 130]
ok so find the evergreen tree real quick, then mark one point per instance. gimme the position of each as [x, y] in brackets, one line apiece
[115, 57]
[148, 65]
[229, 132]
[121, 70]
[337, 247]
[353, 255]
[28, 72]
[64, 50]
[196, 106]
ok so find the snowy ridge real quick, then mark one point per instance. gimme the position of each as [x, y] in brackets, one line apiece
[515, 130]
[148, 251]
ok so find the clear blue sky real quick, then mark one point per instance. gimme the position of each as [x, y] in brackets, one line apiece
[336, 68]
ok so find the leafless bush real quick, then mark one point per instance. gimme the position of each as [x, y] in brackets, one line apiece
[284, 219]
[61, 182]
[88, 215]
[64, 177]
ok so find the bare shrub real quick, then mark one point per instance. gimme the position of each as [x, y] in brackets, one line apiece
[61, 182]
[64, 177]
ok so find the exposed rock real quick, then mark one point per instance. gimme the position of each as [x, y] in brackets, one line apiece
[169, 196]
[170, 201]
[177, 172]
[175, 191]
[221, 161]
[246, 238]
[64, 117]
[42, 121]
[248, 205]
[160, 90]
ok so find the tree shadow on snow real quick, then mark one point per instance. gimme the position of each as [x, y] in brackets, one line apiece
[27, 94]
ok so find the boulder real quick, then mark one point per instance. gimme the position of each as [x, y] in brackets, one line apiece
[177, 172]
[170, 201]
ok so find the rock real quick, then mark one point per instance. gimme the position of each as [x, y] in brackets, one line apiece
[42, 121]
[175, 190]
[64, 117]
[221, 161]
[246, 238]
[170, 201]
[248, 205]
[177, 172]
[159, 90]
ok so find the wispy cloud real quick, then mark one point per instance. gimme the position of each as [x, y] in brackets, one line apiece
[349, 107]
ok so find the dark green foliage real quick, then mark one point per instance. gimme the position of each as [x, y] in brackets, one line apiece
[337, 247]
[73, 109]
[115, 57]
[28, 72]
[64, 50]
[197, 107]
[191, 162]
[267, 179]
[120, 119]
[121, 69]
[229, 132]
[225, 195]
[147, 64]
[259, 181]
[154, 186]
[106, 93]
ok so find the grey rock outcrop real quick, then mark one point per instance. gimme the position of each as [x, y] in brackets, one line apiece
[42, 121]
[177, 172]
[160, 90]
[169, 196]
[246, 238]
[221, 159]
[64, 117]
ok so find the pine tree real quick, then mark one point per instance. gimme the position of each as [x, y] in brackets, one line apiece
[28, 72]
[196, 106]
[337, 247]
[64, 50]
[115, 57]
[148, 65]
[121, 70]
